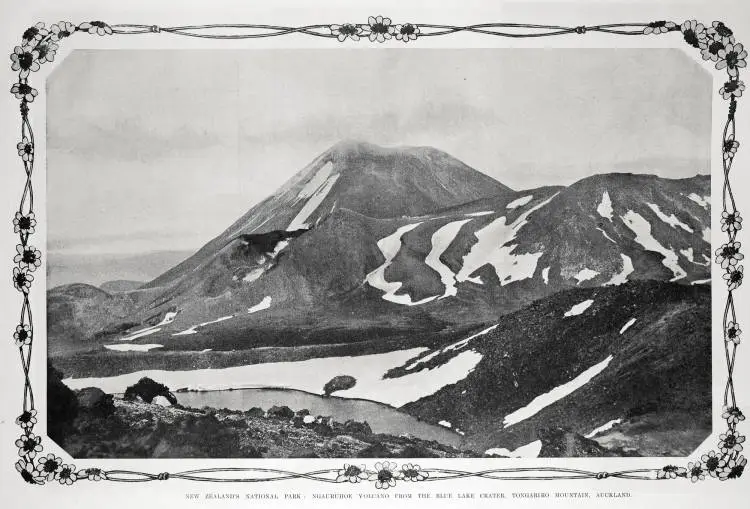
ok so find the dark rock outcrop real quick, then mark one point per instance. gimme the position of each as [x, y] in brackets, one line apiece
[95, 401]
[339, 383]
[62, 406]
[147, 389]
[280, 412]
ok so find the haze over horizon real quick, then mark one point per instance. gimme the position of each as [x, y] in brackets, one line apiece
[163, 160]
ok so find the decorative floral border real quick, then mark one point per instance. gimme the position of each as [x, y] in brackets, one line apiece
[39, 45]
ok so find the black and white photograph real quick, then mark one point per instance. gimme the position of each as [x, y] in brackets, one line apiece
[358, 253]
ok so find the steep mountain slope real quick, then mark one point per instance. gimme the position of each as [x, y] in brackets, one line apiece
[639, 354]
[374, 181]
[405, 241]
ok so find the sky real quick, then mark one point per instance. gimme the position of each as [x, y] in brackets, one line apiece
[161, 150]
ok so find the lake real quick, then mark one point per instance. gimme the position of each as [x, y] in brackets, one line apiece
[381, 418]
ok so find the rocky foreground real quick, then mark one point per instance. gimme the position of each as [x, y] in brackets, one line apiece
[146, 424]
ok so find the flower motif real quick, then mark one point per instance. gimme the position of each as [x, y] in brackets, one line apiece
[384, 475]
[47, 51]
[22, 279]
[25, 149]
[24, 60]
[733, 468]
[380, 28]
[695, 471]
[407, 32]
[27, 419]
[734, 276]
[24, 223]
[731, 222]
[711, 50]
[732, 415]
[711, 463]
[694, 33]
[22, 335]
[730, 442]
[67, 475]
[351, 473]
[96, 28]
[49, 466]
[729, 254]
[733, 334]
[659, 27]
[62, 30]
[34, 34]
[30, 257]
[28, 472]
[94, 474]
[24, 91]
[671, 472]
[732, 56]
[719, 32]
[730, 148]
[410, 472]
[29, 445]
[346, 31]
[732, 88]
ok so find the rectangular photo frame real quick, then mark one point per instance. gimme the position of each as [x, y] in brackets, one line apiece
[40, 464]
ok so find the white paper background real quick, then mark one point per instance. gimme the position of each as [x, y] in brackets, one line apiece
[16, 16]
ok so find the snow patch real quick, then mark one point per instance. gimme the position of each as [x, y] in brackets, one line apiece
[701, 281]
[519, 202]
[642, 230]
[454, 346]
[253, 275]
[622, 276]
[310, 375]
[168, 318]
[479, 214]
[192, 330]
[545, 275]
[706, 233]
[606, 236]
[264, 304]
[315, 183]
[531, 450]
[605, 206]
[603, 427]
[491, 249]
[704, 202]
[627, 325]
[671, 220]
[390, 247]
[312, 203]
[579, 308]
[132, 348]
[441, 239]
[445, 424]
[205, 350]
[585, 274]
[556, 394]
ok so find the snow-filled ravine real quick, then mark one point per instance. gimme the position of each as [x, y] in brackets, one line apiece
[310, 375]
[541, 402]
[643, 236]
[494, 247]
[390, 247]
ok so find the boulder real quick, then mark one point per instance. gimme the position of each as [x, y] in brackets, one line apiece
[339, 383]
[256, 412]
[62, 406]
[302, 413]
[280, 412]
[95, 401]
[353, 427]
[147, 389]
